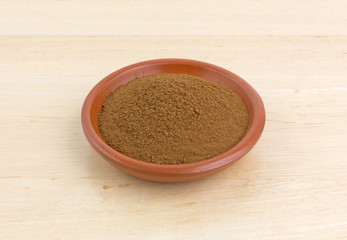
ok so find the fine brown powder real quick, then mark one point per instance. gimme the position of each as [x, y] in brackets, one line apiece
[173, 119]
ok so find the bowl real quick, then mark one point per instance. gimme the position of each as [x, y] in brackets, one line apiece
[181, 172]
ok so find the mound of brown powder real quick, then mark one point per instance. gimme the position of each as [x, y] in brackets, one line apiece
[173, 119]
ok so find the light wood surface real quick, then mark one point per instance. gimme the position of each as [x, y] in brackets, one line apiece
[292, 185]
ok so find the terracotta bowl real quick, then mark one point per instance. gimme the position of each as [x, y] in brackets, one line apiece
[172, 173]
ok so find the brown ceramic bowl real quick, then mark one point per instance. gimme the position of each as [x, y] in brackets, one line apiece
[172, 173]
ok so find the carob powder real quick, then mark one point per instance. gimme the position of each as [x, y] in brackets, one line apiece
[173, 119]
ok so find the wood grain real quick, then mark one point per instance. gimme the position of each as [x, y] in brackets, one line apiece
[292, 185]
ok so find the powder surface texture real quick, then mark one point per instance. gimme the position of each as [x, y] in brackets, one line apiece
[173, 119]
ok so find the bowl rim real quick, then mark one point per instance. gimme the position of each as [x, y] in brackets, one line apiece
[227, 158]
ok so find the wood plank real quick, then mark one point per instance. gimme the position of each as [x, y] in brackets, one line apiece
[79, 17]
[265, 61]
[294, 180]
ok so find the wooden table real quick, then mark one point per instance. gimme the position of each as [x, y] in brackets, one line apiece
[292, 185]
